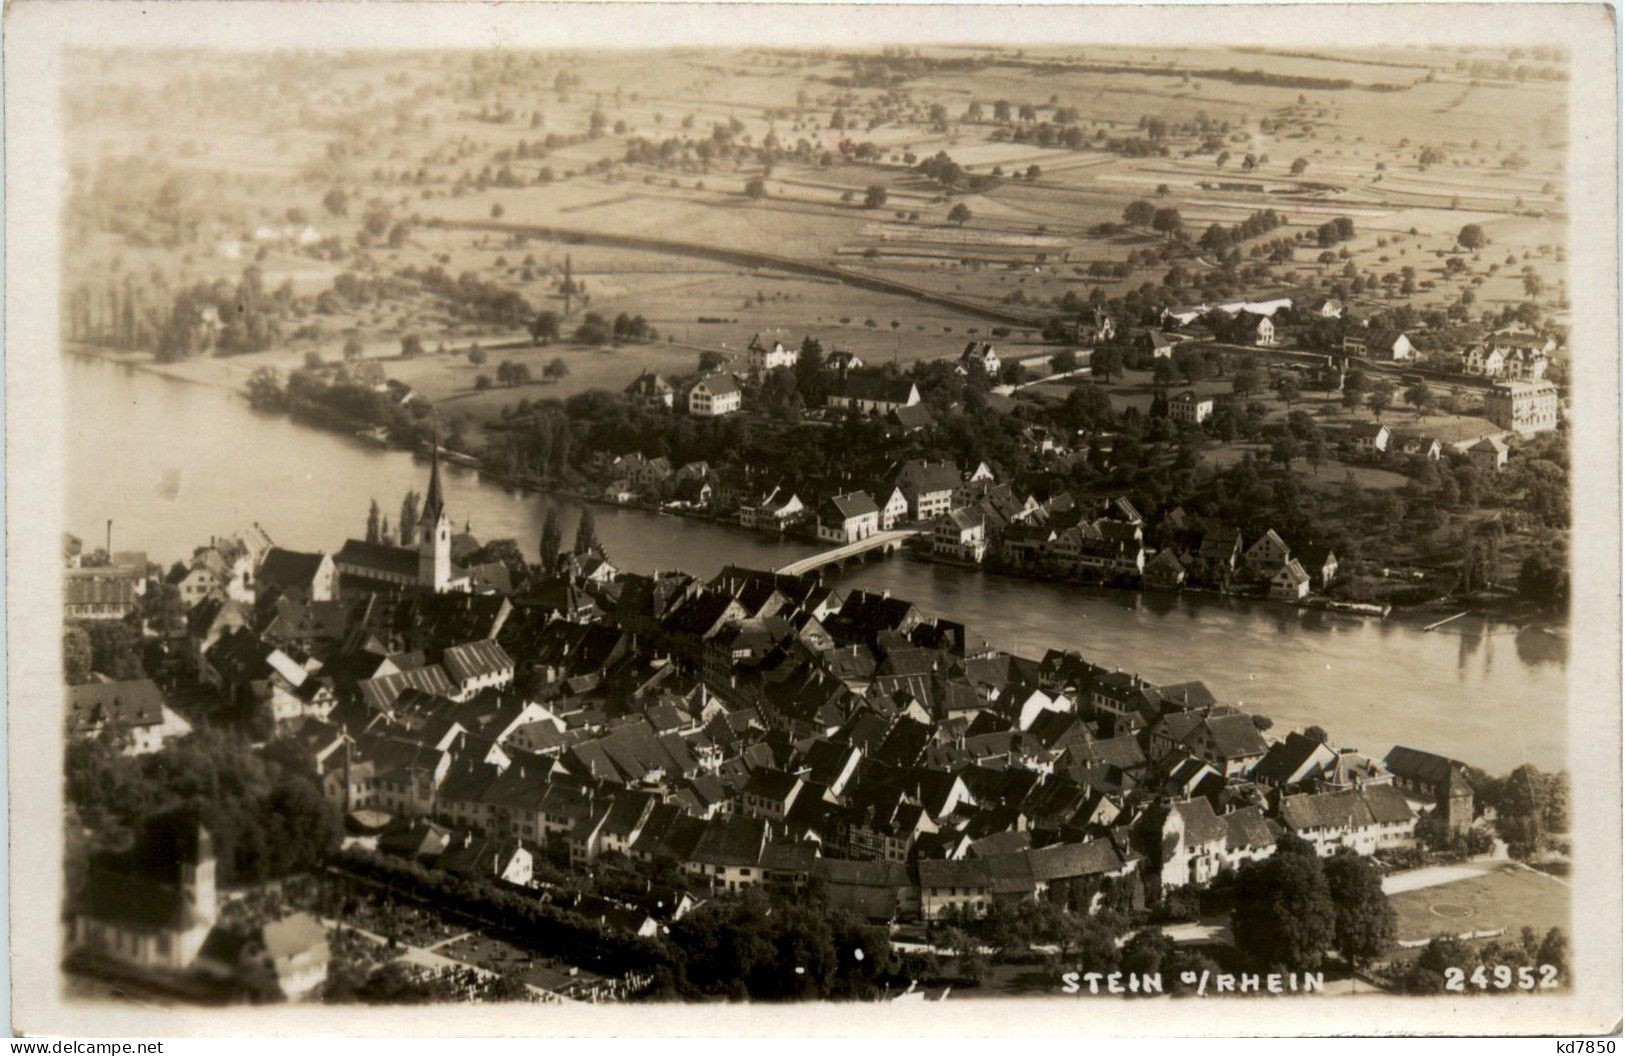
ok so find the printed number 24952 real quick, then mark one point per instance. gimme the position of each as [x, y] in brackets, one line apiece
[1502, 977]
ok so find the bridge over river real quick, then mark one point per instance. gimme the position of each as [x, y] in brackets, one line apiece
[881, 542]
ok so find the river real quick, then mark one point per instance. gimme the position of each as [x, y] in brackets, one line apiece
[173, 462]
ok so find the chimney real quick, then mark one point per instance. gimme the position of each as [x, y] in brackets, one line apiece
[110, 539]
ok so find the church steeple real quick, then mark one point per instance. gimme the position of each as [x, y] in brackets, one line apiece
[434, 505]
[434, 541]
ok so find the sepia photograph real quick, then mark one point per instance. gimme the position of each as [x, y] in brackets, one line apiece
[527, 518]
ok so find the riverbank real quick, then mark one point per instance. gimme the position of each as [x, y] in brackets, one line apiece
[211, 372]
[1493, 614]
[220, 465]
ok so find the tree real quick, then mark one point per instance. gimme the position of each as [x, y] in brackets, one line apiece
[545, 328]
[874, 197]
[352, 349]
[1418, 395]
[1105, 363]
[1442, 952]
[1299, 165]
[1245, 381]
[1139, 213]
[710, 360]
[1544, 576]
[960, 214]
[1064, 362]
[1366, 924]
[586, 534]
[756, 188]
[511, 373]
[336, 202]
[476, 356]
[409, 519]
[1380, 398]
[411, 345]
[1470, 237]
[1314, 452]
[115, 649]
[594, 329]
[1283, 912]
[373, 530]
[266, 818]
[1287, 388]
[556, 370]
[1167, 220]
[265, 389]
[76, 655]
[1554, 950]
[1317, 734]
[552, 541]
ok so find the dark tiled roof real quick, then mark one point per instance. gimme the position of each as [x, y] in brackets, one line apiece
[1285, 758]
[475, 660]
[1414, 764]
[1348, 810]
[1248, 829]
[852, 504]
[770, 783]
[1067, 860]
[99, 586]
[926, 477]
[1201, 824]
[873, 387]
[378, 557]
[290, 568]
[860, 873]
[731, 840]
[718, 384]
[959, 873]
[381, 693]
[1235, 736]
[137, 702]
[115, 896]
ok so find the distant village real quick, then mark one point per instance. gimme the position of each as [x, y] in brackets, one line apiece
[523, 729]
[969, 516]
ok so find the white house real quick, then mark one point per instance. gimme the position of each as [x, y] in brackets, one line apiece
[1291, 583]
[1398, 350]
[894, 510]
[1489, 454]
[1190, 408]
[775, 510]
[763, 357]
[1364, 820]
[848, 518]
[1370, 436]
[981, 354]
[961, 534]
[714, 395]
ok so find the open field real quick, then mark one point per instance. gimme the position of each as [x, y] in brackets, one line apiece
[1513, 897]
[894, 205]
[550, 139]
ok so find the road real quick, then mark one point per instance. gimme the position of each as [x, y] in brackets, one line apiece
[889, 540]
